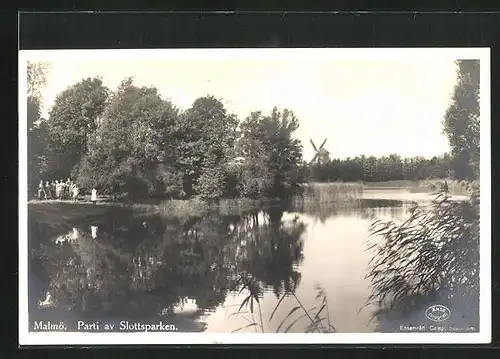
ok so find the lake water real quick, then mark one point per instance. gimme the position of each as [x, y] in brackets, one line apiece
[122, 267]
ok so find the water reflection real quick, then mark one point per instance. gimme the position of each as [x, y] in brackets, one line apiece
[93, 230]
[68, 237]
[364, 208]
[147, 267]
[184, 270]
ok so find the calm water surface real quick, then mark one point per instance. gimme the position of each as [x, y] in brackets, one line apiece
[182, 271]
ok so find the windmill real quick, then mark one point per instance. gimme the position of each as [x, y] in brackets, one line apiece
[321, 155]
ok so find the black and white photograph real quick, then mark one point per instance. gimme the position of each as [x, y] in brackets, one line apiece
[233, 196]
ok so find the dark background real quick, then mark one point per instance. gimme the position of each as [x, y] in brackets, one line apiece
[101, 30]
[251, 29]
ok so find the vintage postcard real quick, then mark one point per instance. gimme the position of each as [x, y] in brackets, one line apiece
[254, 196]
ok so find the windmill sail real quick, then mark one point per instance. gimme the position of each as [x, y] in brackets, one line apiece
[321, 155]
[314, 159]
[314, 146]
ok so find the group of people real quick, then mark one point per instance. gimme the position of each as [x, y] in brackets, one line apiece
[62, 190]
[58, 190]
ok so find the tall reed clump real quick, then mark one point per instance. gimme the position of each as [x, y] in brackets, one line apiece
[455, 187]
[230, 206]
[318, 317]
[172, 208]
[196, 206]
[432, 257]
[331, 192]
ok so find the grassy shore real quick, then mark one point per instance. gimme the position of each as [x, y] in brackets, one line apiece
[431, 185]
[60, 213]
[66, 210]
[338, 193]
[57, 216]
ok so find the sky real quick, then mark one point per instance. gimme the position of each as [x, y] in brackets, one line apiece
[370, 107]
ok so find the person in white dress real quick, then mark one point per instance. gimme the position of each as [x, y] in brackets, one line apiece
[58, 189]
[41, 190]
[75, 193]
[94, 196]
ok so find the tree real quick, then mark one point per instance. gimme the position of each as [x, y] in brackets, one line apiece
[72, 120]
[37, 129]
[205, 137]
[272, 156]
[461, 121]
[211, 184]
[370, 169]
[130, 149]
[37, 79]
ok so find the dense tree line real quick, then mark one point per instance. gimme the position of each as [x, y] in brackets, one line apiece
[131, 141]
[387, 168]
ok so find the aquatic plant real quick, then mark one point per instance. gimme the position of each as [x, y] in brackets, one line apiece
[330, 192]
[318, 317]
[230, 206]
[172, 208]
[433, 255]
[454, 186]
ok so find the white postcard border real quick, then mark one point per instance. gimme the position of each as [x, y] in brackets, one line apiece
[60, 338]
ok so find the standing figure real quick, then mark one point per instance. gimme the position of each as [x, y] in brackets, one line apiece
[40, 190]
[58, 189]
[48, 192]
[75, 193]
[61, 189]
[94, 196]
[68, 187]
[53, 190]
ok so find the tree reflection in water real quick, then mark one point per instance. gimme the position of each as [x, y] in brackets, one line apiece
[365, 208]
[121, 266]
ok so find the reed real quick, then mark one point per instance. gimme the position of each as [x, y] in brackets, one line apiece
[196, 206]
[318, 317]
[315, 192]
[174, 208]
[454, 186]
[431, 256]
[230, 206]
[430, 185]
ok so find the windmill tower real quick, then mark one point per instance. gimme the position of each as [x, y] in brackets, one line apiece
[322, 156]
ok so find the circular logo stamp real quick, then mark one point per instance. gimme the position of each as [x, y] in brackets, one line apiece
[437, 313]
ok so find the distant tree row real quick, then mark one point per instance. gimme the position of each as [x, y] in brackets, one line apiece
[387, 168]
[131, 141]
[461, 124]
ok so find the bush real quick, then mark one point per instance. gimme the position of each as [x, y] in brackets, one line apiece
[211, 184]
